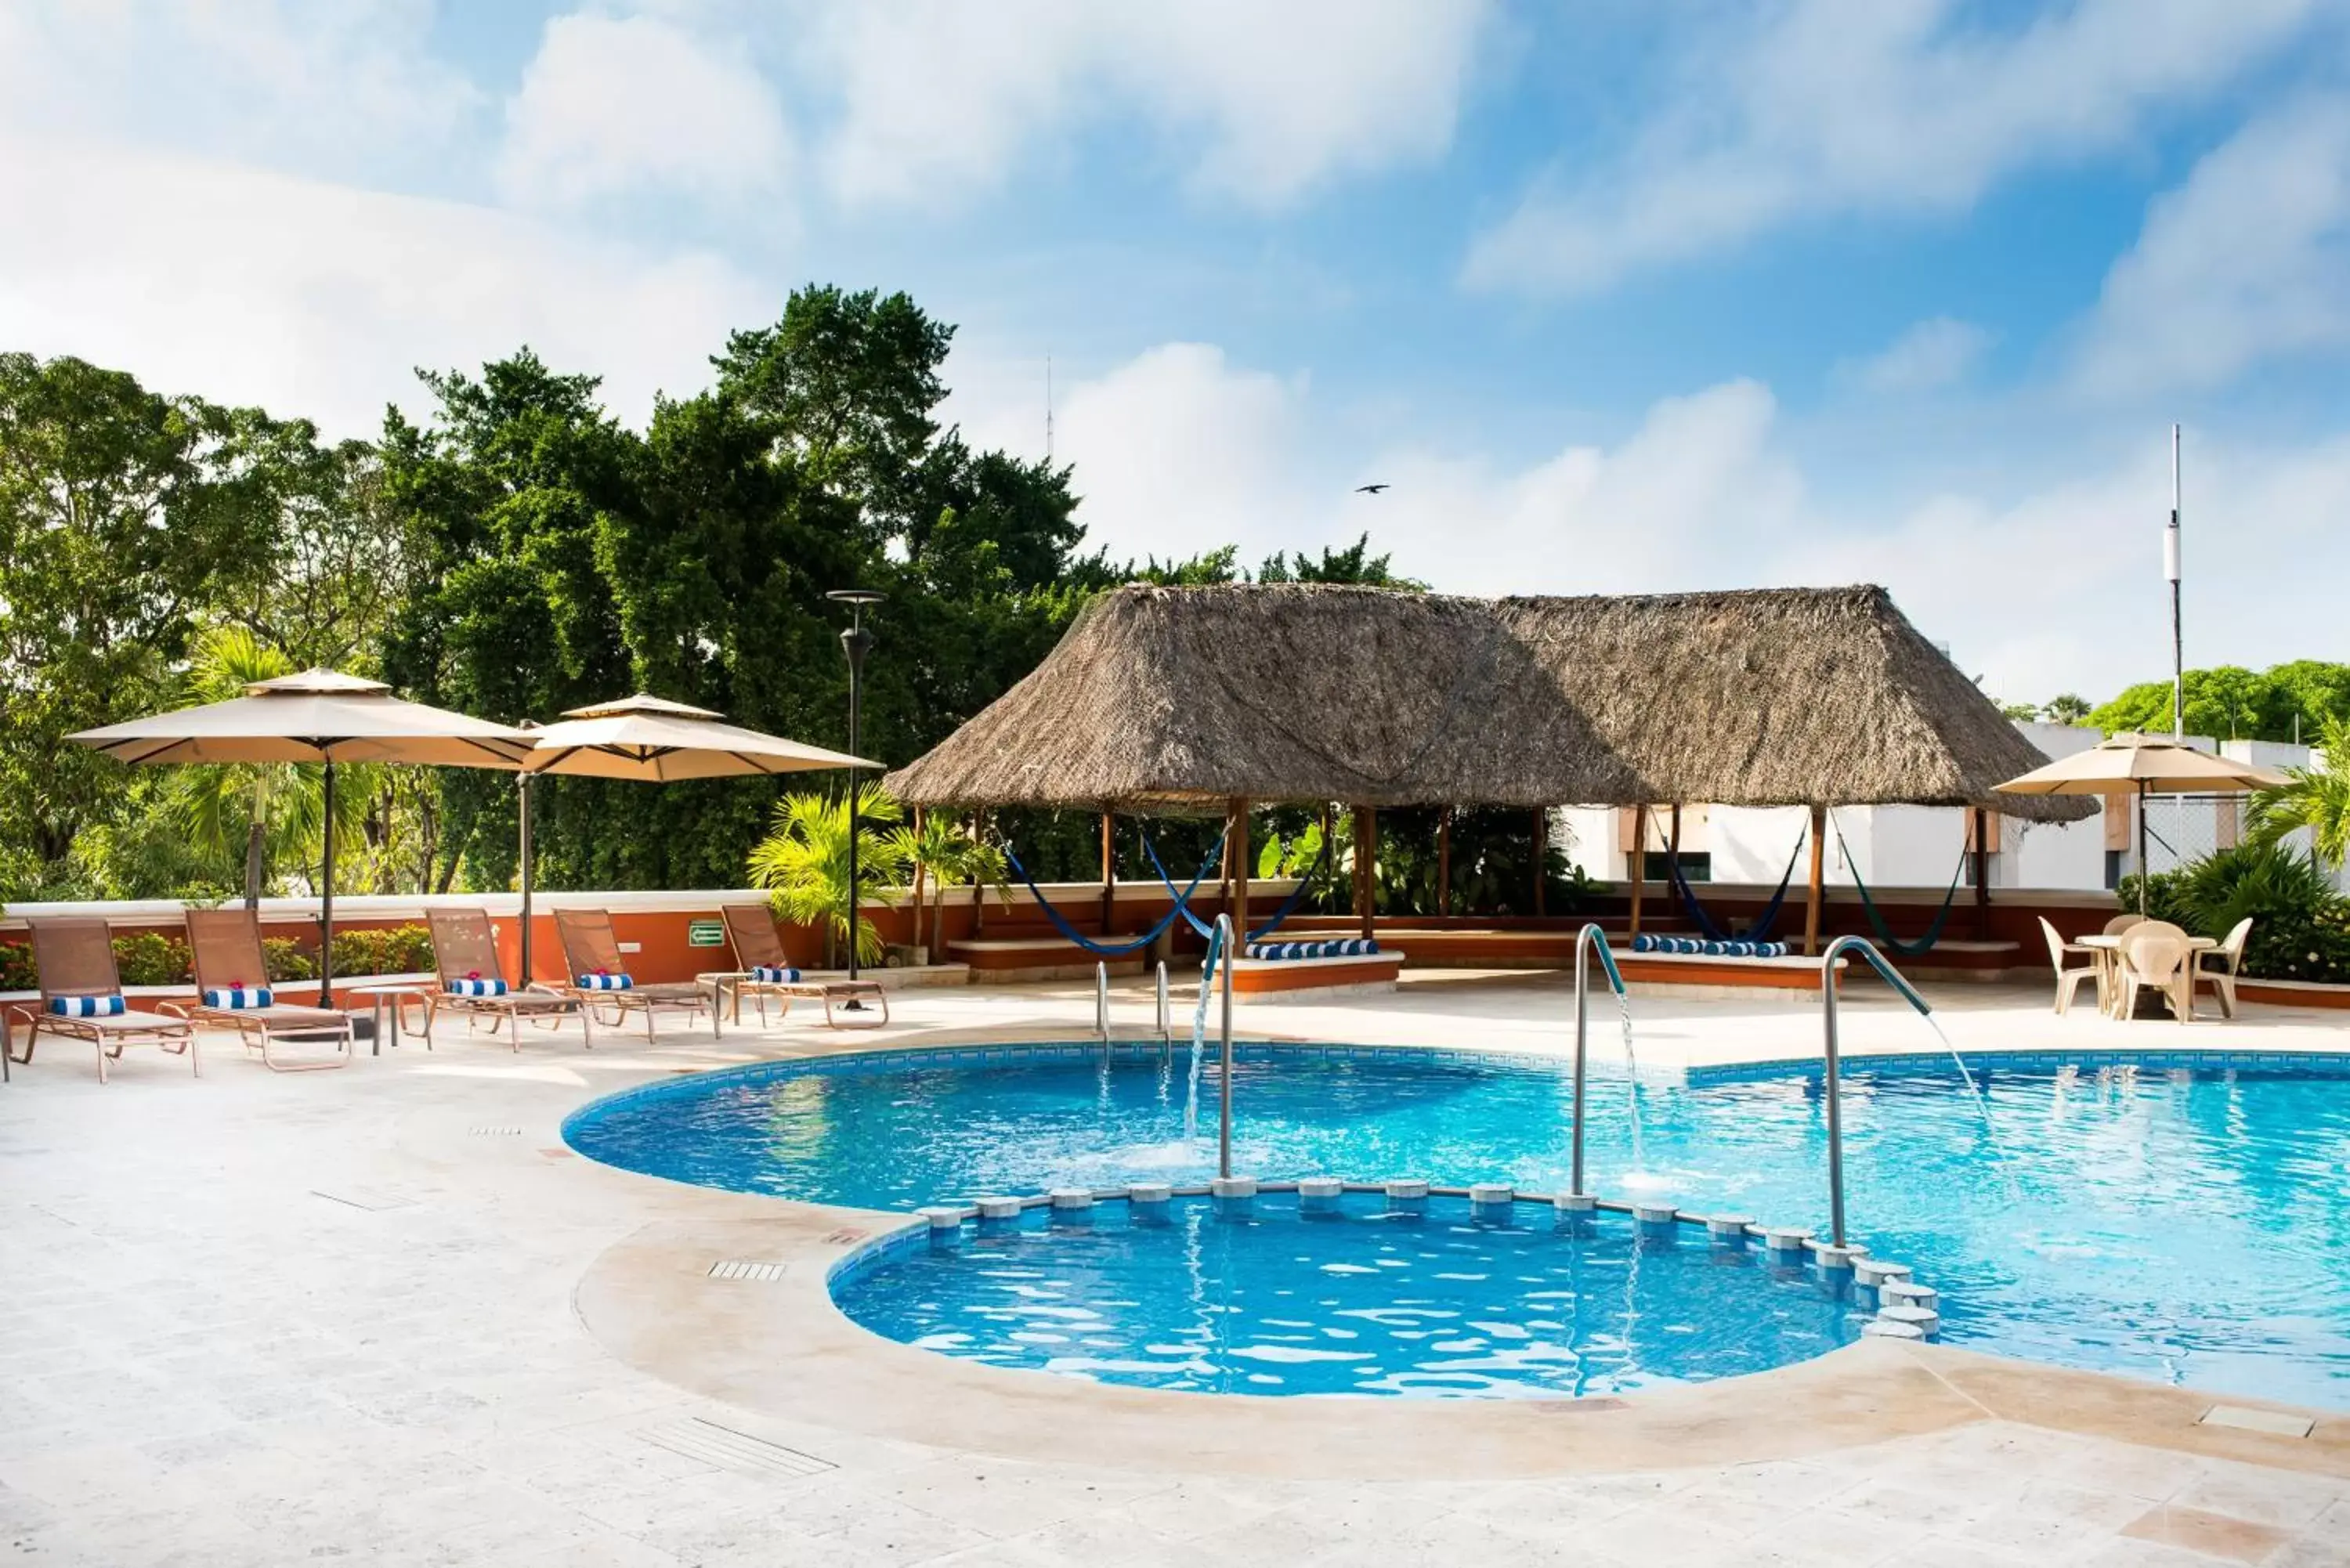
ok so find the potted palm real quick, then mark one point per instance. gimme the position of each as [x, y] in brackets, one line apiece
[803, 863]
[943, 854]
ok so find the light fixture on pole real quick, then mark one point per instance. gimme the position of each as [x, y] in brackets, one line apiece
[856, 642]
[2171, 571]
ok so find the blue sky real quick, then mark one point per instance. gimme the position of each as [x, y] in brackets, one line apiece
[1618, 295]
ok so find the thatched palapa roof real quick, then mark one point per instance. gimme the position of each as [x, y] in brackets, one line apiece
[1180, 698]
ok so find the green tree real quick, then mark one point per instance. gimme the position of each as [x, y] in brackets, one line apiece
[124, 515]
[803, 863]
[1355, 564]
[2285, 702]
[2318, 799]
[943, 854]
[2065, 708]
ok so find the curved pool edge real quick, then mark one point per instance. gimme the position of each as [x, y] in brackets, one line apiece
[783, 1351]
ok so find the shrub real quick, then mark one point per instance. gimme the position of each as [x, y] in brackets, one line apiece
[151, 958]
[16, 972]
[288, 959]
[2301, 926]
[404, 950]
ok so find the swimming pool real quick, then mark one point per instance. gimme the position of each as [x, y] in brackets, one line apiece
[1355, 1295]
[2183, 1221]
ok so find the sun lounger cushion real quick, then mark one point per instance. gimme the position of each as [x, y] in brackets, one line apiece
[1342, 946]
[775, 974]
[237, 998]
[475, 985]
[87, 1006]
[1644, 943]
[603, 980]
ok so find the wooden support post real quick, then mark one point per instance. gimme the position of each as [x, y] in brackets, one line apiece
[1639, 860]
[1819, 866]
[1108, 870]
[1982, 848]
[1367, 849]
[1444, 863]
[1542, 851]
[918, 882]
[1240, 842]
[978, 883]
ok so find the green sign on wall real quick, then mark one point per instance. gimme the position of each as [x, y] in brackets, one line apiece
[706, 934]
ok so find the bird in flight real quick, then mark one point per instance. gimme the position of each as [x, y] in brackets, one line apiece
[1368, 489]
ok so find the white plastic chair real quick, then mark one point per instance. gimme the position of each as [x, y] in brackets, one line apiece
[2156, 961]
[2220, 965]
[2068, 980]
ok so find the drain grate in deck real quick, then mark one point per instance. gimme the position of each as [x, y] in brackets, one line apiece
[745, 1269]
[497, 1132]
[730, 1450]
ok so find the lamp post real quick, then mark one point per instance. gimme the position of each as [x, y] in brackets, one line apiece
[856, 641]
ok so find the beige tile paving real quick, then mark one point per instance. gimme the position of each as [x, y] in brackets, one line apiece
[206, 1361]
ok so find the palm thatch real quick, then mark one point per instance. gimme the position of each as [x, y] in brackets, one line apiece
[1778, 697]
[1182, 699]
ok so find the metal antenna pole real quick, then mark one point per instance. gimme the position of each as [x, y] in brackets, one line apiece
[2171, 571]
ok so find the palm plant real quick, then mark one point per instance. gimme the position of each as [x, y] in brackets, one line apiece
[275, 808]
[2317, 799]
[943, 854]
[803, 863]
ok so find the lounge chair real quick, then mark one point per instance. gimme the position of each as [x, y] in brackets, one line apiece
[466, 959]
[2068, 980]
[596, 978]
[2156, 957]
[82, 997]
[767, 971]
[233, 992]
[2219, 966]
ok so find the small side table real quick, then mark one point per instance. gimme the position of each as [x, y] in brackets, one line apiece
[392, 997]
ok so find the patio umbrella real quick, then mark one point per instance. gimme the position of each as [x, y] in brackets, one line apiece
[318, 716]
[2149, 763]
[650, 739]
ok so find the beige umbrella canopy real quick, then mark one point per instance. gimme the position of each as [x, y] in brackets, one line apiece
[648, 738]
[318, 716]
[656, 741]
[2146, 763]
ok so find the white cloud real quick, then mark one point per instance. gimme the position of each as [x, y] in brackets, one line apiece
[2248, 260]
[2041, 588]
[317, 299]
[1829, 106]
[617, 105]
[940, 100]
[1931, 355]
[342, 87]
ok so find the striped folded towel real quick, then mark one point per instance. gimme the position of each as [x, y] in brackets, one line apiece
[237, 998]
[87, 1006]
[475, 985]
[605, 979]
[775, 974]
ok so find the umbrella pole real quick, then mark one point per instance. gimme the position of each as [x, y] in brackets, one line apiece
[326, 898]
[521, 786]
[2144, 866]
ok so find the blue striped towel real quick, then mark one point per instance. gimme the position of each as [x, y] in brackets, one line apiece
[475, 985]
[775, 974]
[87, 1006]
[605, 979]
[237, 998]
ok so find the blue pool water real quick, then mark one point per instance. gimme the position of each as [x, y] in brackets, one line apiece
[1433, 1299]
[2186, 1225]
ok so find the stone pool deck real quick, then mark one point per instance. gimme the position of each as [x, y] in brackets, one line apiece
[383, 1315]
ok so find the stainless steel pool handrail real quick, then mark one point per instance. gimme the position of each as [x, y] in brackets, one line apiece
[1832, 1076]
[1224, 1076]
[1101, 1001]
[1585, 941]
[1166, 1015]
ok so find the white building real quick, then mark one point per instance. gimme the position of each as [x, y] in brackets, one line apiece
[1926, 847]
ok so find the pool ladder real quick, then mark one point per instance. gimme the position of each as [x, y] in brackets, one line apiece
[1591, 939]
